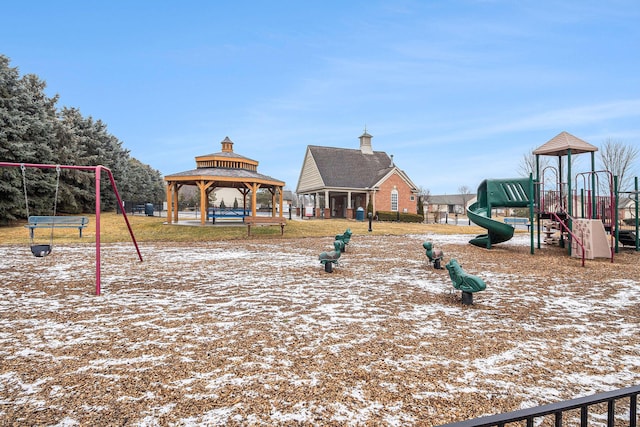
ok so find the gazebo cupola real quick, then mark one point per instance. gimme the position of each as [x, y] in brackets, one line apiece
[226, 159]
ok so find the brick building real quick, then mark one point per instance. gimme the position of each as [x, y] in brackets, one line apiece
[335, 182]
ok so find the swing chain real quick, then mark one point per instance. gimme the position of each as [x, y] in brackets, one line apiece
[24, 185]
[41, 250]
[55, 201]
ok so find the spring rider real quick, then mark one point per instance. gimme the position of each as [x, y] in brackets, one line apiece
[435, 255]
[331, 257]
[465, 282]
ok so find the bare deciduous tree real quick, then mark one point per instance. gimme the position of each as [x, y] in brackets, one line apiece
[618, 158]
[465, 192]
[424, 194]
[528, 164]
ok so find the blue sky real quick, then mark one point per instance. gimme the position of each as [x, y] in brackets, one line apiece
[458, 91]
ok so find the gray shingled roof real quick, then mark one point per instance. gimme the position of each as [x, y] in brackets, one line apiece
[450, 199]
[230, 155]
[343, 167]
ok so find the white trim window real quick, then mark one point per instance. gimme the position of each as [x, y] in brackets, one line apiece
[394, 200]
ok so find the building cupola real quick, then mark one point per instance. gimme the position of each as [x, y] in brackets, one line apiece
[365, 143]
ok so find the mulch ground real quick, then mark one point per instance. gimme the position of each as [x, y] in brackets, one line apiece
[256, 333]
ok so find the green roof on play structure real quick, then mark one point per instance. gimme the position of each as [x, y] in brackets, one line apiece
[560, 145]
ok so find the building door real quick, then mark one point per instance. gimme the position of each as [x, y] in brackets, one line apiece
[338, 206]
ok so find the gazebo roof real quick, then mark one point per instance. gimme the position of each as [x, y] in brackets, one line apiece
[560, 145]
[222, 174]
[226, 154]
[226, 168]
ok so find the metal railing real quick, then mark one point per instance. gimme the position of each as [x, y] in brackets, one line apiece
[575, 238]
[558, 409]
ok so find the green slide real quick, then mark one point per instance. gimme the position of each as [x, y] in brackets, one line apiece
[496, 193]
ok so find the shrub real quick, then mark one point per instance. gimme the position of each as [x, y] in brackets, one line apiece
[369, 208]
[398, 216]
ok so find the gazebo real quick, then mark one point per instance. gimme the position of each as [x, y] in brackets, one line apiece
[224, 169]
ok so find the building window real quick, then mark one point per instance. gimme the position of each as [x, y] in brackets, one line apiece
[394, 201]
[413, 198]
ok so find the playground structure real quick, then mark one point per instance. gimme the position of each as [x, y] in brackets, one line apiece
[583, 213]
[97, 172]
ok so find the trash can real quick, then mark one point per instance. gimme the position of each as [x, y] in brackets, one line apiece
[148, 209]
[360, 214]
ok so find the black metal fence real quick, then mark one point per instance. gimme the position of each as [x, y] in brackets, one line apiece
[146, 208]
[556, 411]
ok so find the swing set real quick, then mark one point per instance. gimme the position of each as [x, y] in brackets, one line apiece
[42, 250]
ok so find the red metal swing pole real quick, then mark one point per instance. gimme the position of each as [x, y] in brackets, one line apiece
[97, 172]
[124, 214]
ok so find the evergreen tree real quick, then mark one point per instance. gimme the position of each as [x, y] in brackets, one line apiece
[27, 120]
[32, 130]
[142, 183]
[77, 191]
[369, 207]
[89, 144]
[10, 143]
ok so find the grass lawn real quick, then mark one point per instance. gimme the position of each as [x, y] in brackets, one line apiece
[154, 229]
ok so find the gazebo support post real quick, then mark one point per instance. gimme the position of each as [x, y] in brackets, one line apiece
[169, 202]
[176, 189]
[204, 199]
[254, 198]
[203, 202]
[273, 191]
[244, 192]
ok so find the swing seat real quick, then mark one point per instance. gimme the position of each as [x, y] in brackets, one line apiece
[40, 250]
